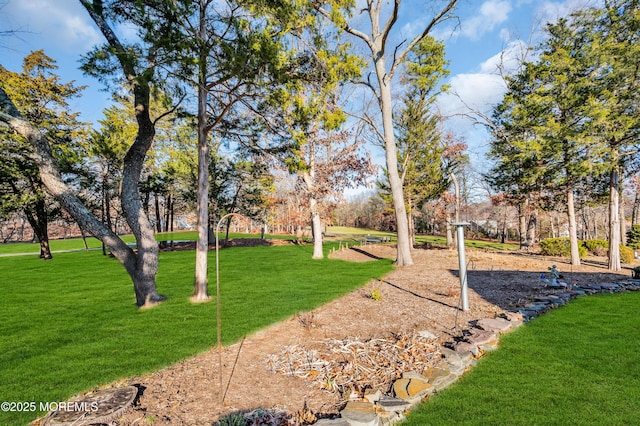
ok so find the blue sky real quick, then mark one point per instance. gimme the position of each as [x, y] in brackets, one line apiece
[486, 33]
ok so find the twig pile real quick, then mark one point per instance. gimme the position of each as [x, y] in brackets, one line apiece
[350, 365]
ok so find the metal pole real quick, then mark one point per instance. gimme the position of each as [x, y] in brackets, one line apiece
[462, 262]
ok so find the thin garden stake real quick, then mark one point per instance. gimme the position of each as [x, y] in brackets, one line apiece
[218, 323]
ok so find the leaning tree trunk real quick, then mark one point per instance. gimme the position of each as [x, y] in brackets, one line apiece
[38, 218]
[403, 255]
[39, 222]
[141, 266]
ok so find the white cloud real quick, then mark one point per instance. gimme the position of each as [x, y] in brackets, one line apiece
[63, 23]
[484, 88]
[551, 11]
[478, 91]
[491, 14]
[508, 60]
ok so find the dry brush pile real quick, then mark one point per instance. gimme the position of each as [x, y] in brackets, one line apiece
[351, 366]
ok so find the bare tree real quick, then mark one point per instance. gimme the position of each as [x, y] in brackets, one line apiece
[385, 63]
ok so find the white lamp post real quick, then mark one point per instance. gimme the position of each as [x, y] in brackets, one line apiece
[462, 262]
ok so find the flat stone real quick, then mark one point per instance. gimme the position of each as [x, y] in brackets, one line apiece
[411, 389]
[433, 374]
[610, 287]
[447, 381]
[332, 422]
[372, 396]
[390, 404]
[483, 338]
[454, 357]
[358, 413]
[528, 314]
[494, 324]
[391, 418]
[514, 316]
[414, 375]
[463, 347]
[451, 356]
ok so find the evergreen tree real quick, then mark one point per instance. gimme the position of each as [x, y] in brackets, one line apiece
[43, 100]
[423, 161]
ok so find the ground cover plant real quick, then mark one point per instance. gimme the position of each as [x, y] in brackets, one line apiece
[71, 324]
[576, 365]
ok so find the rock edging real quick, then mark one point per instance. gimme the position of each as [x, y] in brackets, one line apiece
[378, 409]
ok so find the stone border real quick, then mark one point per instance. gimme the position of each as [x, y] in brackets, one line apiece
[378, 409]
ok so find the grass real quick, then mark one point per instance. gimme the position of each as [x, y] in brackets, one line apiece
[342, 233]
[357, 232]
[479, 244]
[70, 324]
[578, 365]
[93, 243]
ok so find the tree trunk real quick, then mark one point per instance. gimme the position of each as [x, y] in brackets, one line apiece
[200, 287]
[308, 177]
[316, 227]
[614, 221]
[141, 266]
[573, 234]
[532, 228]
[403, 256]
[448, 226]
[623, 220]
[412, 228]
[522, 226]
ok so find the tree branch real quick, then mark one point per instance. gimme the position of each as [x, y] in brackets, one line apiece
[345, 26]
[389, 24]
[440, 17]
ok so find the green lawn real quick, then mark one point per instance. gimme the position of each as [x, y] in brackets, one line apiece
[70, 324]
[78, 243]
[576, 365]
[479, 244]
[337, 233]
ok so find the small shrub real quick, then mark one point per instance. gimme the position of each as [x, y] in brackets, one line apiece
[597, 247]
[560, 247]
[232, 419]
[633, 237]
[626, 254]
[375, 295]
[307, 320]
